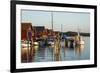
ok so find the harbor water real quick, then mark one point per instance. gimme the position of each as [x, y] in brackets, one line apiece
[48, 54]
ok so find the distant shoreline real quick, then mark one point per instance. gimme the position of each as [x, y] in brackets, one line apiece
[70, 33]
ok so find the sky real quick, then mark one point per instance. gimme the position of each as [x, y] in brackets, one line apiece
[70, 21]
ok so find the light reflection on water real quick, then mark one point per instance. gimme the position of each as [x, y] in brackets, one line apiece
[46, 54]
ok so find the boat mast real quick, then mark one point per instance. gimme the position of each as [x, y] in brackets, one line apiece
[78, 30]
[52, 20]
[61, 31]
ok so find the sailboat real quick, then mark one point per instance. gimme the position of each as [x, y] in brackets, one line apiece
[79, 40]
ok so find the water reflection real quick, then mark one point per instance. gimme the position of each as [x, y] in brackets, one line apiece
[49, 53]
[79, 49]
[57, 55]
[40, 54]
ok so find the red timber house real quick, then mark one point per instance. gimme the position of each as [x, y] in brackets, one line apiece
[24, 28]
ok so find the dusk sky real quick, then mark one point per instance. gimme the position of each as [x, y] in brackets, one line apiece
[70, 21]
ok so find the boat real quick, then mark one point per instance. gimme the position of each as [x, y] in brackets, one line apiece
[50, 42]
[36, 44]
[82, 41]
[79, 40]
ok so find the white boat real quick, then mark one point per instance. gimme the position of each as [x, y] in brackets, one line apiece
[50, 42]
[36, 43]
[79, 40]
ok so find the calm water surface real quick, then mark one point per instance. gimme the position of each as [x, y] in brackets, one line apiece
[45, 54]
